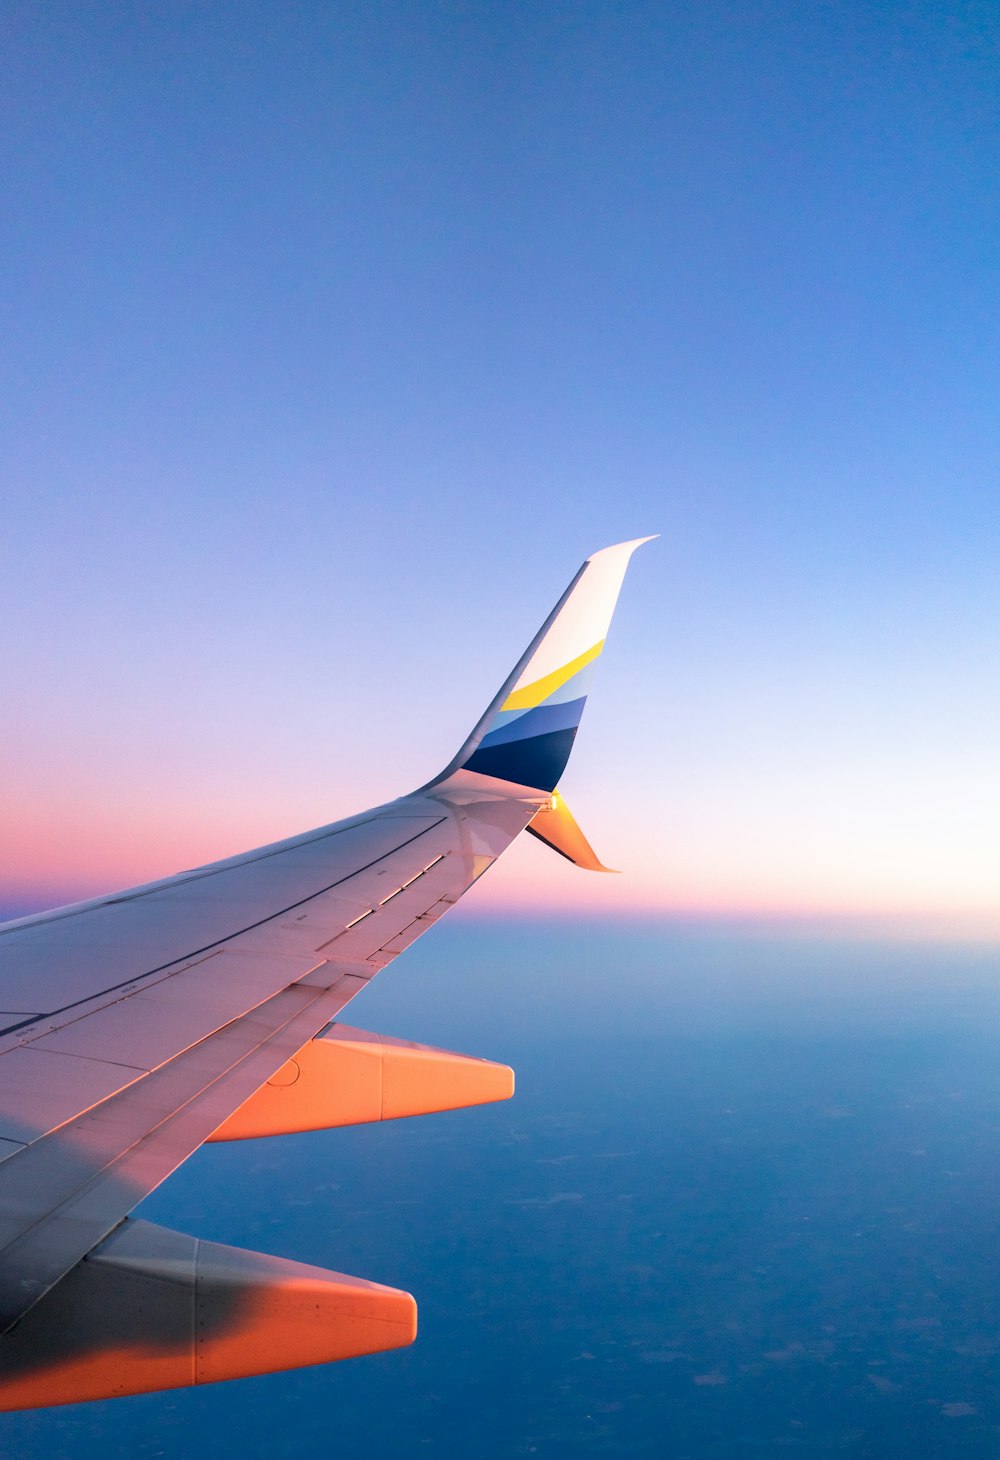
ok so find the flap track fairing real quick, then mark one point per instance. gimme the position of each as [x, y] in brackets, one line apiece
[155, 1309]
[350, 1077]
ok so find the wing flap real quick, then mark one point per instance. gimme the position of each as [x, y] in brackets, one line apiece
[65, 1191]
[40, 1089]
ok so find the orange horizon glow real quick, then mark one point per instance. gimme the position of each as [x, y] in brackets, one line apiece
[58, 852]
[524, 899]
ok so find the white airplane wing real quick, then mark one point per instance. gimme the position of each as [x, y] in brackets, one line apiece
[140, 1025]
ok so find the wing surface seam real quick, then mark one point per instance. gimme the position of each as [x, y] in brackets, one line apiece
[218, 942]
[198, 874]
[115, 1160]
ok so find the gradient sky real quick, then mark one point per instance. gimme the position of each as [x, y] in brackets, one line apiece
[333, 338]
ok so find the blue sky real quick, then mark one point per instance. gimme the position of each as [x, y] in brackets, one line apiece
[333, 339]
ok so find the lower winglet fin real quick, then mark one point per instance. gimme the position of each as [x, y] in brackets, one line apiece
[556, 825]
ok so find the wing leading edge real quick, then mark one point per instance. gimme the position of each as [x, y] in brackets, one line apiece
[140, 1025]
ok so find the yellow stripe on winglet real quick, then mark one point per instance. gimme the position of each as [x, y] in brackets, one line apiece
[534, 694]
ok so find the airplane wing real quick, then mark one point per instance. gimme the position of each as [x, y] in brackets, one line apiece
[139, 1025]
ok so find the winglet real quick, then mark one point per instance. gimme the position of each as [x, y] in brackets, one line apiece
[556, 826]
[527, 733]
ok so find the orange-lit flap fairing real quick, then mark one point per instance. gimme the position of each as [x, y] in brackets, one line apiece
[155, 1309]
[350, 1077]
[556, 825]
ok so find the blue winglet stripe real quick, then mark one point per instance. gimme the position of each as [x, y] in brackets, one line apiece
[539, 721]
[538, 761]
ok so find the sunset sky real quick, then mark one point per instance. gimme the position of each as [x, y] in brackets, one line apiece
[333, 339]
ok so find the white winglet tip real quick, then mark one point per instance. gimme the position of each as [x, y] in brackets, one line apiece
[627, 548]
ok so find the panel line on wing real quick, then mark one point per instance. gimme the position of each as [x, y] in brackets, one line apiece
[184, 879]
[36, 1245]
[218, 942]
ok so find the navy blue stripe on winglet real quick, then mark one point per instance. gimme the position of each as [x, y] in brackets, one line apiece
[538, 761]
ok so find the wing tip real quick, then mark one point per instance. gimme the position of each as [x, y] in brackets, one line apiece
[625, 549]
